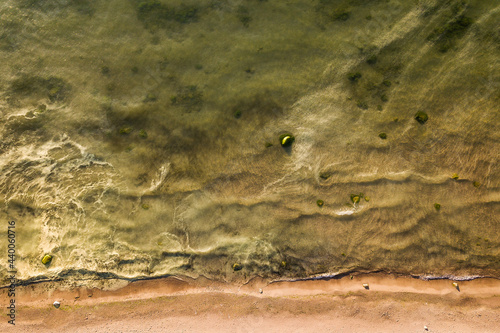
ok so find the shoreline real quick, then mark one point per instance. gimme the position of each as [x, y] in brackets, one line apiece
[307, 304]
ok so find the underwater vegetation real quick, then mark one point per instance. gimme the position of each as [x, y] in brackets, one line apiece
[85, 7]
[340, 14]
[189, 97]
[445, 36]
[143, 134]
[150, 98]
[372, 60]
[244, 16]
[125, 130]
[324, 175]
[154, 14]
[362, 105]
[105, 70]
[56, 89]
[354, 77]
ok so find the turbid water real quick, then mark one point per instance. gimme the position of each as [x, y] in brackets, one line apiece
[141, 138]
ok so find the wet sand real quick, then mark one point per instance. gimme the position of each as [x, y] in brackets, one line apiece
[391, 304]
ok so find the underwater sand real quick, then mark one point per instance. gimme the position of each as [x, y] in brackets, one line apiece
[141, 140]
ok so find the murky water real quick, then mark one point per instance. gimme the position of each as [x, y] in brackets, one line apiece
[141, 138]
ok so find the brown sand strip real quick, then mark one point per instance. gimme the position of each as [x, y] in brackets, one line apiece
[391, 304]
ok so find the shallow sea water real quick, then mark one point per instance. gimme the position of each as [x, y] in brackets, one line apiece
[141, 138]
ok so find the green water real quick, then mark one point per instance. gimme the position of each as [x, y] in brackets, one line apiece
[141, 138]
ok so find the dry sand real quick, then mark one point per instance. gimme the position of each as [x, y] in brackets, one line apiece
[391, 304]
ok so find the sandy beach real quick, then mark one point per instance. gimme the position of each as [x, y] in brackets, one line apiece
[175, 304]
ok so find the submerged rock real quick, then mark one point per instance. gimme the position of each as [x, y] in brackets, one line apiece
[421, 117]
[356, 198]
[286, 139]
[46, 259]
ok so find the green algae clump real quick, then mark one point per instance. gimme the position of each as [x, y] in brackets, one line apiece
[125, 130]
[421, 117]
[356, 198]
[46, 259]
[150, 98]
[143, 134]
[320, 203]
[286, 139]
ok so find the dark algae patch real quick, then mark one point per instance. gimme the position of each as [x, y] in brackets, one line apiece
[155, 14]
[80, 6]
[188, 97]
[354, 77]
[445, 36]
[243, 15]
[55, 88]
